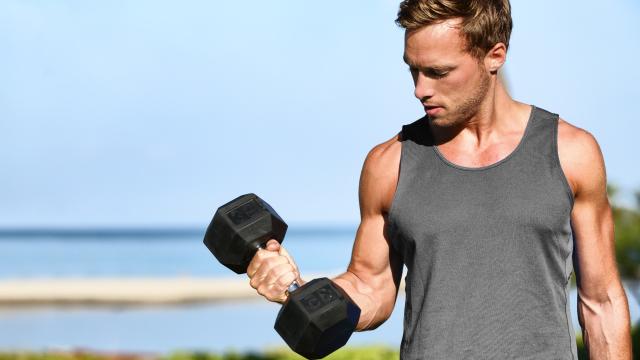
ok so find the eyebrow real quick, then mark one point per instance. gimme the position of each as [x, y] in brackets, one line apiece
[434, 67]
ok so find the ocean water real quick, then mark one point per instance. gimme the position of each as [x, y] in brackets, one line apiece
[243, 325]
[151, 254]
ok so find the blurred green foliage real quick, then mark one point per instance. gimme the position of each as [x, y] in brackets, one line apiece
[627, 235]
[627, 240]
[346, 353]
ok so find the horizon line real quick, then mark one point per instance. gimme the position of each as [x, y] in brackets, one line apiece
[148, 231]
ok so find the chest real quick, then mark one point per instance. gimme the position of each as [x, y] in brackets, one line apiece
[472, 156]
[482, 204]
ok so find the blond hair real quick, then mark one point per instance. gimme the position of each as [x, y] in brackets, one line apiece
[484, 22]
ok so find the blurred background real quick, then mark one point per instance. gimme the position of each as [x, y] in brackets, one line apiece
[125, 124]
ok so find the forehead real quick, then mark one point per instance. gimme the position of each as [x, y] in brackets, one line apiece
[437, 43]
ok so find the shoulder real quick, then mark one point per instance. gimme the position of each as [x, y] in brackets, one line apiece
[572, 137]
[580, 156]
[388, 153]
[384, 154]
[379, 175]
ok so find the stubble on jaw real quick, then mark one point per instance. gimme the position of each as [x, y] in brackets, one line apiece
[461, 114]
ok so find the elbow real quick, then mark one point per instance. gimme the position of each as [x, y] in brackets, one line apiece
[384, 300]
[373, 322]
[377, 308]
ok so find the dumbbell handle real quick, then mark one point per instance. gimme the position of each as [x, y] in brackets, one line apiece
[294, 285]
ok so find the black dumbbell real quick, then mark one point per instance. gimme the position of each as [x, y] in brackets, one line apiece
[317, 318]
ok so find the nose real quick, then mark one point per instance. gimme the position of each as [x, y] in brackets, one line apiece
[424, 87]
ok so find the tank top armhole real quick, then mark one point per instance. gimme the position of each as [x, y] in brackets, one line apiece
[556, 158]
[394, 200]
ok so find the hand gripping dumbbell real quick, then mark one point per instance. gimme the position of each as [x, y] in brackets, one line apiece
[315, 319]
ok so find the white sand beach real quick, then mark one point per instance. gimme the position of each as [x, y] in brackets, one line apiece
[122, 291]
[125, 291]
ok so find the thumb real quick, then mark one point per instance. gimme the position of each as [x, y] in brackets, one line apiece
[272, 245]
[284, 252]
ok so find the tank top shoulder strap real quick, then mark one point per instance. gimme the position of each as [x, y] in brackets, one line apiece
[541, 146]
[540, 136]
[417, 132]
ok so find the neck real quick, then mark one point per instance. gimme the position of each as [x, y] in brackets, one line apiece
[494, 116]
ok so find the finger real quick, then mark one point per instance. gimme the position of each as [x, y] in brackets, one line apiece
[278, 271]
[284, 253]
[268, 277]
[271, 292]
[257, 260]
[274, 292]
[272, 245]
[266, 269]
[285, 277]
[285, 280]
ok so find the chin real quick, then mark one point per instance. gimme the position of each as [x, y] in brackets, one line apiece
[441, 121]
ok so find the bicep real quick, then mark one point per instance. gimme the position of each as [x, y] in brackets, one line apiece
[373, 259]
[592, 222]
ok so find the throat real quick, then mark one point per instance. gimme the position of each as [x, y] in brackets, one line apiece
[464, 150]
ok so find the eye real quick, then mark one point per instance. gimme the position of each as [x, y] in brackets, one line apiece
[431, 73]
[437, 74]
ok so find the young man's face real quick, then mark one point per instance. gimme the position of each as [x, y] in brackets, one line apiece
[449, 82]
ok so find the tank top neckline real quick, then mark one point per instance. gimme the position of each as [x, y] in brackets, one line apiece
[497, 163]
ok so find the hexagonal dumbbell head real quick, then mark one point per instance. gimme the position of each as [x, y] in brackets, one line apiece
[239, 228]
[317, 319]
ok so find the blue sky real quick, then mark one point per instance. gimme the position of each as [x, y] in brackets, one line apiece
[154, 113]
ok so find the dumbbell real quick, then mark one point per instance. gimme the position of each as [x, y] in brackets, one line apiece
[315, 319]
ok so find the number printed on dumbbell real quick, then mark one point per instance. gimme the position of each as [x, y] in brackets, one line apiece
[244, 213]
[319, 298]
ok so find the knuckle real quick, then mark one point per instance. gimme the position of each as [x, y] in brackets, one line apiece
[262, 270]
[273, 272]
[279, 292]
[253, 283]
[285, 280]
[271, 294]
[274, 261]
[268, 263]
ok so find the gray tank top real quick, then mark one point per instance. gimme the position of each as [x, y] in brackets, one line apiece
[488, 250]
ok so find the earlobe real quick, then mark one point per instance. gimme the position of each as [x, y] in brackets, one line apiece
[497, 64]
[497, 56]
[492, 65]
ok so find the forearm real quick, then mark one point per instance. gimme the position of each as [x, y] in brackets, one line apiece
[373, 310]
[606, 326]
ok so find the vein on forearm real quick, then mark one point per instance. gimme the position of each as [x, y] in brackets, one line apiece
[606, 319]
[364, 296]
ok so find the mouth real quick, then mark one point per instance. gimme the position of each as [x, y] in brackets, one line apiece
[432, 109]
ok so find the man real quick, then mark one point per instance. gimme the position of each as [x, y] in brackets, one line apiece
[489, 202]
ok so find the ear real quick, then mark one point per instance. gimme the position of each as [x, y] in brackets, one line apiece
[495, 58]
